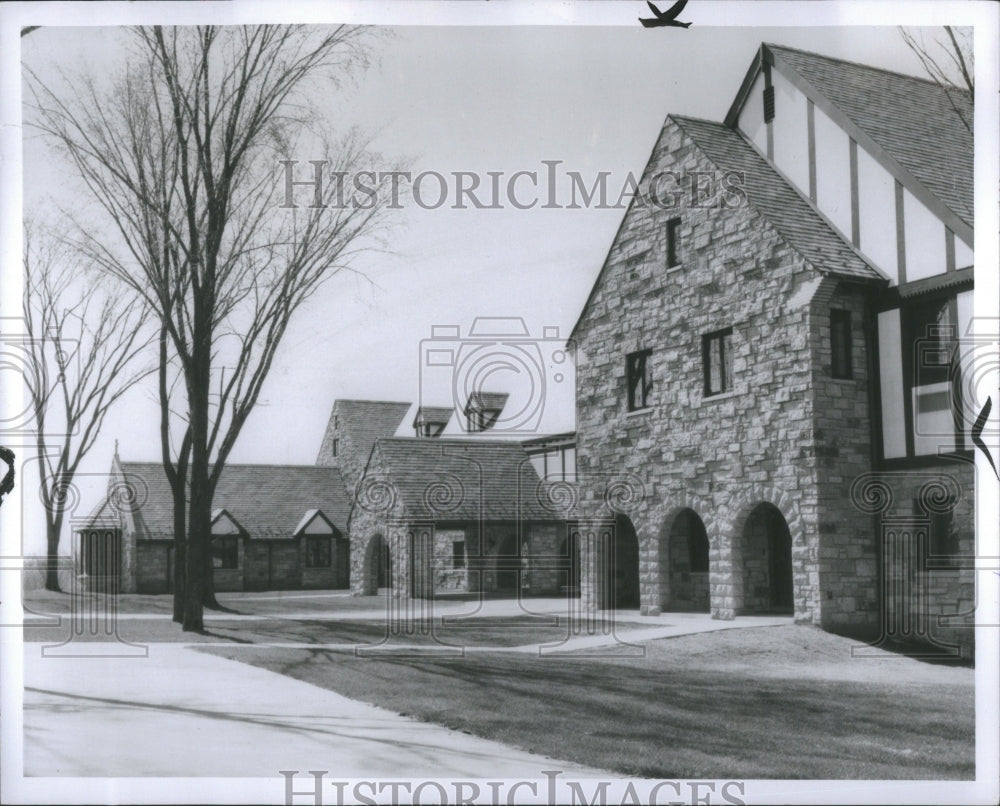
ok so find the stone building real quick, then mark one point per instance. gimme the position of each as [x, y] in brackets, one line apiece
[769, 353]
[274, 527]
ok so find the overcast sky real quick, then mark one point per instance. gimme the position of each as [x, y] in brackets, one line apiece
[462, 99]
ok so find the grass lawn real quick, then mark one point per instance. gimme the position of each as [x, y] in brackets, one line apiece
[772, 702]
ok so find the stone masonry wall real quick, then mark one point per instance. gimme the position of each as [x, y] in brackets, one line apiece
[846, 563]
[720, 456]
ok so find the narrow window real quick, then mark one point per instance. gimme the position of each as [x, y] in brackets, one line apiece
[768, 104]
[673, 228]
[640, 382]
[336, 445]
[458, 554]
[717, 357]
[840, 344]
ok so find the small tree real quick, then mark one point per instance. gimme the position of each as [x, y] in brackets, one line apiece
[84, 345]
[948, 59]
[184, 156]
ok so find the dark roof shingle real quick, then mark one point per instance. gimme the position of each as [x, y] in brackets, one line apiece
[268, 501]
[364, 421]
[456, 479]
[918, 122]
[775, 199]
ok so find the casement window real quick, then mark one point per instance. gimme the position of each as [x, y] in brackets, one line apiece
[673, 246]
[225, 552]
[841, 344]
[317, 551]
[639, 378]
[457, 554]
[918, 359]
[717, 358]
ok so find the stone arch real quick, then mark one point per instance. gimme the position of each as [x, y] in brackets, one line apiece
[378, 571]
[764, 551]
[684, 563]
[620, 584]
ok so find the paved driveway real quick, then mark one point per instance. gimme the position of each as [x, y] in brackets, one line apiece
[181, 712]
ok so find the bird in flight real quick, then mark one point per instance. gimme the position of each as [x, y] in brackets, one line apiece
[665, 18]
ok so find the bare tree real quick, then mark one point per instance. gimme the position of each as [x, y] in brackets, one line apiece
[948, 59]
[184, 156]
[84, 349]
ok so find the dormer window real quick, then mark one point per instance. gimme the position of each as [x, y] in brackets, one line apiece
[428, 429]
[483, 410]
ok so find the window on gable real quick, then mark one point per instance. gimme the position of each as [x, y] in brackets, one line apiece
[931, 327]
[768, 104]
[225, 552]
[458, 554]
[673, 231]
[717, 357]
[640, 380]
[840, 344]
[317, 551]
[336, 446]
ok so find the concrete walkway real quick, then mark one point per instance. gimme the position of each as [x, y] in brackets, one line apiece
[185, 713]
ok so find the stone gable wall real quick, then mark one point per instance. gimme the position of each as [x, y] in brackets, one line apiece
[724, 455]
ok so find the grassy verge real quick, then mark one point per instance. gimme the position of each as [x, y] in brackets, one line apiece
[780, 702]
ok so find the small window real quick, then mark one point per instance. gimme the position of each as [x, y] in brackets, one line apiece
[840, 344]
[458, 554]
[673, 230]
[336, 446]
[317, 552]
[717, 356]
[768, 104]
[429, 429]
[225, 552]
[640, 381]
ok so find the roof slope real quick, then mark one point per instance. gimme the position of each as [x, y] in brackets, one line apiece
[364, 421]
[266, 500]
[779, 202]
[913, 119]
[456, 479]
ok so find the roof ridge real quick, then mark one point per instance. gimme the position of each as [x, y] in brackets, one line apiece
[853, 63]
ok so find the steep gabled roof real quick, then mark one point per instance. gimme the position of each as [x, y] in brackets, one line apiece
[778, 202]
[458, 479]
[268, 501]
[918, 125]
[364, 421]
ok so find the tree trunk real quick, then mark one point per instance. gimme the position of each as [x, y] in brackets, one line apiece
[180, 546]
[197, 378]
[208, 599]
[52, 559]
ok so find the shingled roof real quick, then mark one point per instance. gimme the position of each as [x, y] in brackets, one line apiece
[917, 122]
[364, 421]
[777, 201]
[268, 501]
[459, 479]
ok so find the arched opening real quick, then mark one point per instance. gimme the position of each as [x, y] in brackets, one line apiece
[569, 555]
[378, 566]
[767, 562]
[621, 588]
[684, 565]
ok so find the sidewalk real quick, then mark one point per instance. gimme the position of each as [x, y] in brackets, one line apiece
[180, 712]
